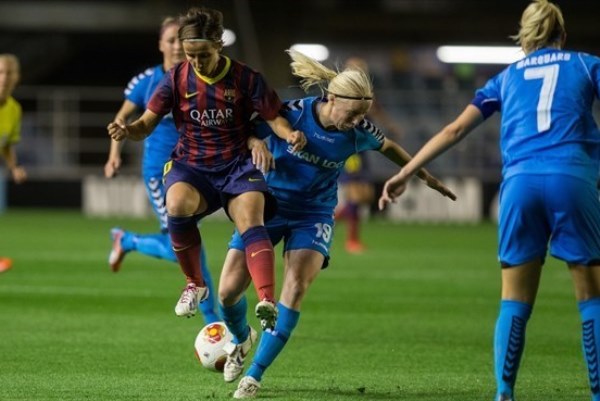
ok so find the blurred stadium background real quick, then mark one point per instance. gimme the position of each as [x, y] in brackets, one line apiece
[77, 56]
[411, 319]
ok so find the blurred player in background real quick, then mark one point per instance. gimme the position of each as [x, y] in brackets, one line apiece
[305, 185]
[10, 125]
[356, 182]
[550, 147]
[212, 98]
[157, 149]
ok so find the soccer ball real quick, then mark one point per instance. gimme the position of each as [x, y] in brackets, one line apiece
[210, 343]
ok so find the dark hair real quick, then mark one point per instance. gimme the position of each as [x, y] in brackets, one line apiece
[201, 23]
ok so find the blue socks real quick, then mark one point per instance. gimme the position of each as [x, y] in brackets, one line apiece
[208, 307]
[590, 318]
[235, 319]
[159, 246]
[509, 341]
[273, 341]
[155, 245]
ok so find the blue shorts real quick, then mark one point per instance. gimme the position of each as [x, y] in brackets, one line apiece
[559, 210]
[218, 187]
[308, 231]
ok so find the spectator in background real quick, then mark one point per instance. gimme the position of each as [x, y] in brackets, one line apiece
[212, 99]
[157, 149]
[356, 181]
[10, 125]
[550, 147]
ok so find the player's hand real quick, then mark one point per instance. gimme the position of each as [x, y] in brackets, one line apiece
[112, 166]
[117, 130]
[19, 174]
[297, 139]
[393, 188]
[262, 158]
[436, 184]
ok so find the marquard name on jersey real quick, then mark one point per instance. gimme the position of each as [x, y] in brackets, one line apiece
[314, 159]
[212, 117]
[543, 59]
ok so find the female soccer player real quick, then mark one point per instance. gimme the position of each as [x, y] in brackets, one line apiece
[355, 179]
[550, 147]
[157, 149]
[305, 185]
[212, 99]
[10, 125]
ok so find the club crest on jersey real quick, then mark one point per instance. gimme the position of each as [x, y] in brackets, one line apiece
[229, 95]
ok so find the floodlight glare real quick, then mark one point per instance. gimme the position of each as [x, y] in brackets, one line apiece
[228, 37]
[479, 54]
[312, 50]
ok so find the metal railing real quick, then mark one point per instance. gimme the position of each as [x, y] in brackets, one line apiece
[64, 131]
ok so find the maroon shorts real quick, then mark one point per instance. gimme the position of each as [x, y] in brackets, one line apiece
[218, 187]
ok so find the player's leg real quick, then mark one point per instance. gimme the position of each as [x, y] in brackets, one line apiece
[576, 239]
[234, 281]
[519, 288]
[306, 253]
[587, 292]
[524, 231]
[358, 193]
[156, 245]
[208, 307]
[185, 205]
[247, 210]
[302, 267]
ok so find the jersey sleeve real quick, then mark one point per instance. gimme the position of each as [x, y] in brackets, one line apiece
[291, 110]
[487, 99]
[137, 87]
[592, 66]
[163, 98]
[265, 100]
[368, 136]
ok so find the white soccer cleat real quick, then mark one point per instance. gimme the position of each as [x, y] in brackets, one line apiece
[503, 397]
[117, 253]
[267, 312]
[236, 354]
[188, 302]
[247, 388]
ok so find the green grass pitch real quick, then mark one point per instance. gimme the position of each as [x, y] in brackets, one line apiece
[410, 319]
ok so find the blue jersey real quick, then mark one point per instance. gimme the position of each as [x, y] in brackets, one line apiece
[306, 181]
[159, 145]
[546, 103]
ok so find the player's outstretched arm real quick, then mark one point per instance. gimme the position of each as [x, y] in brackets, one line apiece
[442, 141]
[111, 168]
[396, 153]
[137, 130]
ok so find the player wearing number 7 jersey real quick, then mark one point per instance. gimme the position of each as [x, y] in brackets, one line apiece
[305, 185]
[550, 147]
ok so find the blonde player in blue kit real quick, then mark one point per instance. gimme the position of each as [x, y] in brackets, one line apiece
[305, 185]
[157, 151]
[550, 147]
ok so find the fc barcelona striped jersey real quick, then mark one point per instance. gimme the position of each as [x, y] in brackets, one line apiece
[212, 115]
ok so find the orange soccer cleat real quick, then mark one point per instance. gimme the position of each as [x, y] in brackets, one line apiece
[5, 264]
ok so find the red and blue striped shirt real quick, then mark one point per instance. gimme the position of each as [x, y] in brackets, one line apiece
[212, 115]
